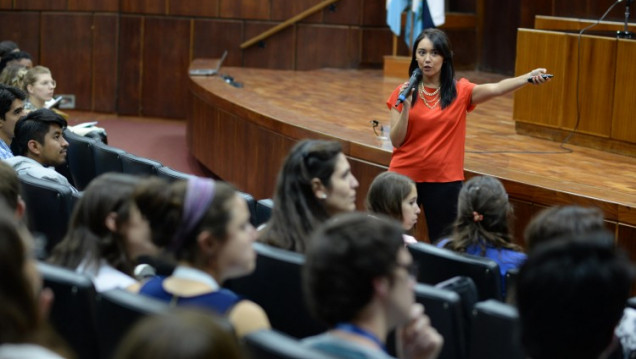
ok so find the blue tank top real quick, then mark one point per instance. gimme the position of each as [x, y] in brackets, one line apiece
[220, 301]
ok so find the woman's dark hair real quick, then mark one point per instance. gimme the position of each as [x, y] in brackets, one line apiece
[297, 211]
[162, 204]
[88, 237]
[180, 333]
[442, 44]
[13, 56]
[483, 216]
[559, 221]
[386, 193]
[7, 46]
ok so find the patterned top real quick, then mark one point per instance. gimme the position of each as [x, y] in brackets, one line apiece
[5, 150]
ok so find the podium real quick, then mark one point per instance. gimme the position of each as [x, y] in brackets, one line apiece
[606, 89]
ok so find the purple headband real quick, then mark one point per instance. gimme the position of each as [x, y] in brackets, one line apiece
[198, 197]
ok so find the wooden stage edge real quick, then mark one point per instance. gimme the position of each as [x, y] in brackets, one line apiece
[243, 134]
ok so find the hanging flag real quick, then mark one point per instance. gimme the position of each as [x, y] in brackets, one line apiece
[423, 15]
[394, 9]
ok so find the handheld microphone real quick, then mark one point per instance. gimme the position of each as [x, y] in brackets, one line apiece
[415, 78]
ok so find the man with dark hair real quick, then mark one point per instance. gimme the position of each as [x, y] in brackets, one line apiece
[38, 144]
[11, 109]
[571, 294]
[18, 57]
[358, 280]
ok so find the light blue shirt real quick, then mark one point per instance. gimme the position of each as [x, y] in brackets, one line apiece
[5, 150]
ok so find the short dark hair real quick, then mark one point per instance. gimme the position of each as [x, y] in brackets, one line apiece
[7, 46]
[559, 221]
[8, 94]
[34, 126]
[571, 294]
[344, 256]
[13, 56]
[386, 193]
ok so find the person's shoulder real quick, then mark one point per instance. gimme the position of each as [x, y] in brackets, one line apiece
[341, 348]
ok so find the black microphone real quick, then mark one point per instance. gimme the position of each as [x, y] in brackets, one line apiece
[415, 78]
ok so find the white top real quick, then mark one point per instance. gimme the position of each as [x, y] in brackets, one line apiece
[195, 275]
[105, 277]
[22, 351]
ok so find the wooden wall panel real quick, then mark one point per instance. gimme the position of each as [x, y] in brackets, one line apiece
[623, 124]
[40, 4]
[278, 52]
[207, 8]
[376, 43]
[144, 6]
[62, 35]
[27, 37]
[531, 8]
[105, 62]
[245, 9]
[315, 47]
[266, 162]
[212, 37]
[129, 69]
[283, 10]
[93, 5]
[344, 12]
[373, 13]
[6, 4]
[499, 40]
[165, 63]
[627, 239]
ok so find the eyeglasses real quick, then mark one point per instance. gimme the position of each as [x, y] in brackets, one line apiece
[410, 268]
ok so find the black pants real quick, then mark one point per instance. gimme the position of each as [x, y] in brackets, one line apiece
[439, 201]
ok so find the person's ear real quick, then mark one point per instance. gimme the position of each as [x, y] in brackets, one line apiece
[30, 89]
[381, 286]
[34, 147]
[20, 208]
[208, 245]
[111, 221]
[318, 188]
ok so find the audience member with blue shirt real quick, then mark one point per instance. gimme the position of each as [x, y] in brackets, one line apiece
[11, 109]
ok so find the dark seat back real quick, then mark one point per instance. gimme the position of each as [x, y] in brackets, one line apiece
[80, 158]
[264, 208]
[107, 159]
[270, 344]
[117, 311]
[72, 313]
[276, 286]
[438, 264]
[445, 309]
[49, 207]
[172, 175]
[495, 332]
[140, 166]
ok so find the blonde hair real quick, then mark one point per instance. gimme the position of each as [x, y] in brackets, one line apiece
[13, 75]
[32, 74]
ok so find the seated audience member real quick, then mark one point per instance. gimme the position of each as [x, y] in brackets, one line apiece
[106, 233]
[39, 86]
[38, 145]
[314, 183]
[572, 222]
[13, 75]
[205, 225]
[180, 333]
[11, 109]
[395, 195]
[8, 46]
[559, 221]
[10, 190]
[571, 294]
[358, 280]
[24, 332]
[482, 227]
[17, 57]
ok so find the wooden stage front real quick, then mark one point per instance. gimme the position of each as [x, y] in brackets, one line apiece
[243, 134]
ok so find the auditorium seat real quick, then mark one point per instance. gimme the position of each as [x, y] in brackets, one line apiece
[495, 332]
[631, 302]
[271, 344]
[80, 159]
[511, 282]
[276, 286]
[172, 175]
[117, 311]
[264, 209]
[72, 313]
[139, 166]
[438, 264]
[48, 208]
[251, 205]
[107, 158]
[446, 311]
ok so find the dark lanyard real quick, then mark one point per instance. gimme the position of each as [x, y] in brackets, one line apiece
[354, 329]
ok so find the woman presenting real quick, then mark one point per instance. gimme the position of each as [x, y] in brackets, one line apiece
[428, 129]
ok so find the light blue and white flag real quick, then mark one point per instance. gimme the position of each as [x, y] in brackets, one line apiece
[423, 14]
[394, 9]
